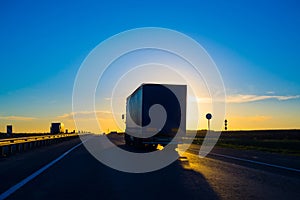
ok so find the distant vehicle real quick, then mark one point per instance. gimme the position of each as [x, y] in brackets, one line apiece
[56, 128]
[172, 98]
[9, 129]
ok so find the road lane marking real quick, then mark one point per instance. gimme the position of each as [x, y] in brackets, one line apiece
[253, 161]
[256, 162]
[38, 172]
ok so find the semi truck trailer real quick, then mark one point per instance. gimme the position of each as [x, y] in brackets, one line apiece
[141, 131]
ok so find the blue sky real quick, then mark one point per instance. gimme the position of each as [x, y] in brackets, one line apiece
[255, 45]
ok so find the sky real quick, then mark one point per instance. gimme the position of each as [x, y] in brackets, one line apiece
[255, 45]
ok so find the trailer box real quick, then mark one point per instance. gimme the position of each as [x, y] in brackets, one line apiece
[172, 98]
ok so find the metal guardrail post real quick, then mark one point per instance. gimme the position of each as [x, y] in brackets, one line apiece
[10, 149]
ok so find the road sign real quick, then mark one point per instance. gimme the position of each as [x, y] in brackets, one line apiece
[208, 116]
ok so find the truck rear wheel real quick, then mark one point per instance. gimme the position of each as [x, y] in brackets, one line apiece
[138, 143]
[127, 140]
[152, 147]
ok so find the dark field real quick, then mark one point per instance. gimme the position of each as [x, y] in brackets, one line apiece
[279, 141]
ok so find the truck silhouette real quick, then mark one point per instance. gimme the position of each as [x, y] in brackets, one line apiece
[141, 131]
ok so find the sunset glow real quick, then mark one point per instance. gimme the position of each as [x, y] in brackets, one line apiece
[254, 45]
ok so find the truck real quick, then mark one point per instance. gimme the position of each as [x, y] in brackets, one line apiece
[57, 127]
[139, 131]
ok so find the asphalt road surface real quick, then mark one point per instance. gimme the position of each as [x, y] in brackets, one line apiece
[68, 171]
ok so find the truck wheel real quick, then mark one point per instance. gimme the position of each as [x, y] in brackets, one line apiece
[127, 140]
[152, 147]
[138, 143]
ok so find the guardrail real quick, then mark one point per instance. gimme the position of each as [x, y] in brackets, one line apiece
[14, 145]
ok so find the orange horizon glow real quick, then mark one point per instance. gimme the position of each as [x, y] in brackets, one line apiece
[108, 125]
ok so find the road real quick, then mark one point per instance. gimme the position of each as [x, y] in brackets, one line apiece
[78, 175]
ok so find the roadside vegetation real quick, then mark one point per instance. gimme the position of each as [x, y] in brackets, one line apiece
[278, 141]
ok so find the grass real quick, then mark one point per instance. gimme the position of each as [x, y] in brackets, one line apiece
[278, 141]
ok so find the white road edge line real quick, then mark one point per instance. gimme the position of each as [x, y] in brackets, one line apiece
[253, 161]
[35, 174]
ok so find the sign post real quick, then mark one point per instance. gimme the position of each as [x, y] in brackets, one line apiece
[208, 117]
